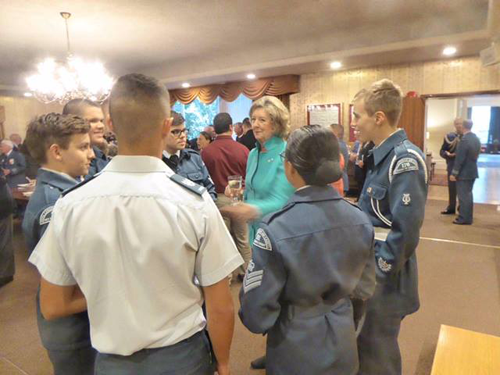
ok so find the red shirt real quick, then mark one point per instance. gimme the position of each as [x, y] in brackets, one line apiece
[225, 157]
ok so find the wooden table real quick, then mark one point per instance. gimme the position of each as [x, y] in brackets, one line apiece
[463, 352]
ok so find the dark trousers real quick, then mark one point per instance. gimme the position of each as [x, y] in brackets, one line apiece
[188, 357]
[7, 266]
[452, 194]
[75, 361]
[465, 200]
[378, 347]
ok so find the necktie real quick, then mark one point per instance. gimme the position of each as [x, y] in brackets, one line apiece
[174, 161]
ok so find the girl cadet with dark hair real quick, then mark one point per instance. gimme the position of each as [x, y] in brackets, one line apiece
[309, 259]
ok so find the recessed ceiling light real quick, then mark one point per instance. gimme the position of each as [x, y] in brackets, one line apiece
[186, 85]
[336, 65]
[449, 51]
[251, 76]
[28, 94]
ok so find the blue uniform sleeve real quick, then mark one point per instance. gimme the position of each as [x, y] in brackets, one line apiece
[207, 181]
[19, 165]
[263, 283]
[460, 156]
[407, 197]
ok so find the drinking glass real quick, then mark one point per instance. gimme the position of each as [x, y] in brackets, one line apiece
[235, 184]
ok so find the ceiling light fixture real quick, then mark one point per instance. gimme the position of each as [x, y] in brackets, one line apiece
[74, 79]
[449, 51]
[336, 65]
[186, 85]
[28, 94]
[251, 76]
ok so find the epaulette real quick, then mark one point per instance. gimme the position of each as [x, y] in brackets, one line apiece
[352, 204]
[67, 191]
[450, 137]
[188, 184]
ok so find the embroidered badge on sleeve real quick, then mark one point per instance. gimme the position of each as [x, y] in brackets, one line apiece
[253, 279]
[406, 165]
[262, 240]
[384, 265]
[46, 215]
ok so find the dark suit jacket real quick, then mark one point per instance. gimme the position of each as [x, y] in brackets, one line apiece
[16, 163]
[465, 167]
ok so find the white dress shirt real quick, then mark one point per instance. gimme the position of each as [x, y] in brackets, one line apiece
[134, 241]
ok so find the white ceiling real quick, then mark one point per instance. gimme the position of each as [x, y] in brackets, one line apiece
[211, 41]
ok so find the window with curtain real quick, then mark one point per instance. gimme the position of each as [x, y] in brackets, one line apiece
[197, 115]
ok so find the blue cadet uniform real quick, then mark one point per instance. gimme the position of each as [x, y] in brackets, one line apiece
[98, 163]
[16, 164]
[309, 258]
[67, 340]
[394, 198]
[190, 165]
[450, 143]
[465, 171]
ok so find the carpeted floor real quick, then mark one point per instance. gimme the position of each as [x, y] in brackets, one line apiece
[459, 286]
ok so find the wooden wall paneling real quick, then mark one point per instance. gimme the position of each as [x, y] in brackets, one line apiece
[413, 120]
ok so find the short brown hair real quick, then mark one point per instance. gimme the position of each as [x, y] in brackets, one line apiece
[277, 111]
[178, 119]
[77, 106]
[384, 96]
[45, 130]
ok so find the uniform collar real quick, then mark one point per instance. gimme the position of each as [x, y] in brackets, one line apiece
[136, 164]
[167, 155]
[57, 179]
[8, 153]
[380, 152]
[313, 193]
[98, 153]
[271, 143]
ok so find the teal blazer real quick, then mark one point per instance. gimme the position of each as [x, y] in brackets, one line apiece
[266, 186]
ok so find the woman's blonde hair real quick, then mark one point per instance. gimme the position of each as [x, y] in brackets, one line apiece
[279, 114]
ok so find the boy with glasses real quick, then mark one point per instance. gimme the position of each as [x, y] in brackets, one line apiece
[184, 161]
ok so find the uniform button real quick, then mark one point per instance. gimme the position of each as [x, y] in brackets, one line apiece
[369, 190]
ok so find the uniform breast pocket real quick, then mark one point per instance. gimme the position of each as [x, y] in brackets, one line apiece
[378, 196]
[195, 177]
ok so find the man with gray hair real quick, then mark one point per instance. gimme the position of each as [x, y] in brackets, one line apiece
[13, 164]
[465, 172]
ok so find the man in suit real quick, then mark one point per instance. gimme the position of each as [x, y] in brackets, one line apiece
[465, 172]
[13, 164]
[448, 152]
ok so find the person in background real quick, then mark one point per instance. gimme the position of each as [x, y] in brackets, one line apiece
[306, 309]
[204, 139]
[162, 233]
[266, 187]
[61, 145]
[248, 138]
[7, 208]
[238, 130]
[393, 197]
[465, 172]
[338, 130]
[31, 164]
[92, 112]
[13, 164]
[225, 157]
[359, 156]
[184, 161]
[448, 152]
[210, 130]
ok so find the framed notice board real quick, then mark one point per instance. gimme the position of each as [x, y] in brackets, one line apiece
[324, 114]
[352, 135]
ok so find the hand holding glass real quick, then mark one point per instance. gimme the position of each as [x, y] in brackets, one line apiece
[235, 184]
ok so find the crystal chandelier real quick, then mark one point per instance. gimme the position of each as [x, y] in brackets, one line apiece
[74, 79]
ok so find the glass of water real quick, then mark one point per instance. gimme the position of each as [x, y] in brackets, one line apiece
[235, 184]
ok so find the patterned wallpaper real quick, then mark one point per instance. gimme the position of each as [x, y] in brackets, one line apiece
[434, 77]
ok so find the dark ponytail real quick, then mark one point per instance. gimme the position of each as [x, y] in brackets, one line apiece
[314, 152]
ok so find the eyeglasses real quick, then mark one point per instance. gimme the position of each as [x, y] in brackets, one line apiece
[282, 156]
[177, 132]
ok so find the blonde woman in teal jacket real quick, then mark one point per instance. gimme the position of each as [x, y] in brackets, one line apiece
[266, 186]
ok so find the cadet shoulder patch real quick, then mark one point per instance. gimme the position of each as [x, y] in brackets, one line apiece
[262, 240]
[406, 165]
[253, 279]
[384, 265]
[46, 215]
[188, 184]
